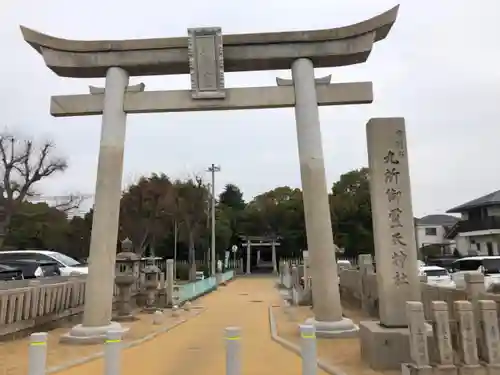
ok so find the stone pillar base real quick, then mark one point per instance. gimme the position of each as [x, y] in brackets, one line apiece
[339, 329]
[81, 335]
[493, 369]
[385, 348]
[125, 318]
[445, 370]
[410, 369]
[149, 309]
[471, 370]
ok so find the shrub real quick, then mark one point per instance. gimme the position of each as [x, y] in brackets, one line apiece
[182, 271]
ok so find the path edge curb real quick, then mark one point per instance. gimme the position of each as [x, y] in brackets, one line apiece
[90, 358]
[332, 370]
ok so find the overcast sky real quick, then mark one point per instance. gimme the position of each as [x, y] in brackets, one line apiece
[438, 68]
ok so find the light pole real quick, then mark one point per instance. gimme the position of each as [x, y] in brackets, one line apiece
[212, 169]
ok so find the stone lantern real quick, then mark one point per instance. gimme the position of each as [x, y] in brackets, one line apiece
[125, 277]
[151, 274]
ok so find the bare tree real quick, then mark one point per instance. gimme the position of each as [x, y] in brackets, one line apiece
[23, 164]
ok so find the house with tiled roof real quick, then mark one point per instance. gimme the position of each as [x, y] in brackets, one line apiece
[478, 231]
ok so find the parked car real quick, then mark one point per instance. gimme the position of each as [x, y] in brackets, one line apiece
[67, 265]
[343, 264]
[437, 275]
[32, 269]
[8, 273]
[487, 265]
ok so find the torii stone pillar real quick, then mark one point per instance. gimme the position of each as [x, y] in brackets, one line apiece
[102, 254]
[249, 254]
[327, 308]
[273, 257]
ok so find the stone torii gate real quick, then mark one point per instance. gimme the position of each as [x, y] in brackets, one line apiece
[260, 241]
[205, 54]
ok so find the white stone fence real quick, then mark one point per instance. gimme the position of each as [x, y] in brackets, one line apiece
[466, 338]
[30, 303]
[359, 287]
[25, 304]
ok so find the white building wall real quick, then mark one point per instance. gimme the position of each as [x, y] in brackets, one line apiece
[425, 239]
[463, 245]
[477, 244]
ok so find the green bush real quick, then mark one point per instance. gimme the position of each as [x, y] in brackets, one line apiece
[206, 270]
[182, 272]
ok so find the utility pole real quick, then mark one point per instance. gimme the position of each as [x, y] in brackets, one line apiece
[212, 169]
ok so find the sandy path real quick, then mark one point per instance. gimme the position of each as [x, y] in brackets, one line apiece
[197, 347]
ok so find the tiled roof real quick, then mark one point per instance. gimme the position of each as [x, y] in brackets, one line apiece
[444, 220]
[484, 201]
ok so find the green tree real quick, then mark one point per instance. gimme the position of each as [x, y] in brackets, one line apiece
[78, 236]
[351, 213]
[277, 213]
[232, 197]
[192, 200]
[144, 208]
[224, 229]
[229, 213]
[37, 226]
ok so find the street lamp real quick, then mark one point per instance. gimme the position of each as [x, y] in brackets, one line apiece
[212, 169]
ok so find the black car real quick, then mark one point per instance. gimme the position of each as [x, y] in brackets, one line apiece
[32, 269]
[8, 273]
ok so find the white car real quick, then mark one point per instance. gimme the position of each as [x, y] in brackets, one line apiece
[67, 265]
[343, 264]
[436, 276]
[489, 266]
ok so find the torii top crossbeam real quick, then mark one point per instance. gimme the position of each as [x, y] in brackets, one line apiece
[261, 240]
[242, 52]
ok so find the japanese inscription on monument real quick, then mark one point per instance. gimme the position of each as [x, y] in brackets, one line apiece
[393, 192]
[394, 234]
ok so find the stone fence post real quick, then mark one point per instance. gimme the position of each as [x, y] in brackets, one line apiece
[419, 352]
[281, 271]
[170, 282]
[467, 337]
[474, 287]
[287, 282]
[442, 338]
[489, 336]
[365, 262]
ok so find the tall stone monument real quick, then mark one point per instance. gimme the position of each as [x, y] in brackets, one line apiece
[206, 54]
[385, 344]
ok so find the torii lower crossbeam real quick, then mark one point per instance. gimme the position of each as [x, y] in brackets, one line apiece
[236, 98]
